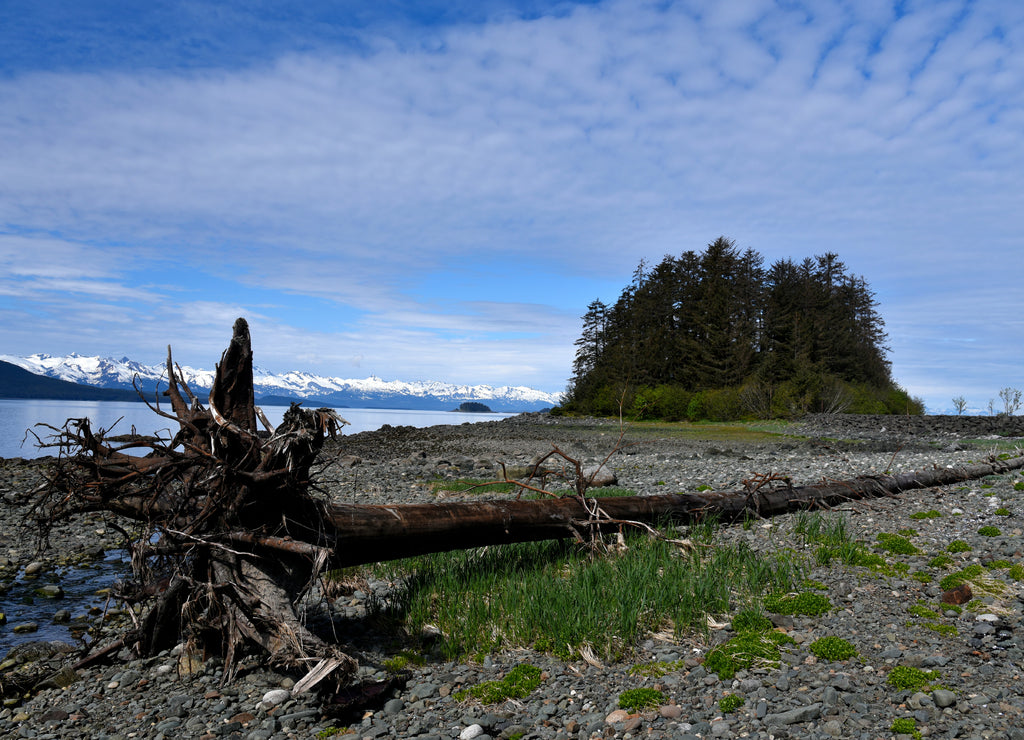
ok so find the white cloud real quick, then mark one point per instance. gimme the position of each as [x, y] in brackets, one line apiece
[569, 145]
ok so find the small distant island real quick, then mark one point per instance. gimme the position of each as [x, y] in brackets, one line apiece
[473, 407]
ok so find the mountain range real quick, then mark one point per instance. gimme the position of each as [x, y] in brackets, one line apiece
[270, 388]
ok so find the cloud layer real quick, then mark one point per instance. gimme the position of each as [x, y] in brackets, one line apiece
[442, 200]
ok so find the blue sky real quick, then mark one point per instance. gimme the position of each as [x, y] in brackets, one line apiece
[436, 190]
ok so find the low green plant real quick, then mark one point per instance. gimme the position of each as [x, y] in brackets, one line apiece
[704, 487]
[906, 726]
[471, 485]
[635, 700]
[730, 703]
[331, 731]
[896, 544]
[397, 663]
[989, 531]
[907, 532]
[921, 576]
[1016, 572]
[832, 648]
[1002, 511]
[751, 620]
[958, 546]
[910, 678]
[949, 630]
[746, 650]
[518, 683]
[920, 610]
[1018, 486]
[805, 603]
[940, 561]
[930, 514]
[965, 574]
[997, 564]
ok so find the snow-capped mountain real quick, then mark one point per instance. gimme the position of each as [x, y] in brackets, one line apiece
[105, 372]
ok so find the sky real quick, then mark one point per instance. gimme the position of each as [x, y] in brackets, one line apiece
[436, 190]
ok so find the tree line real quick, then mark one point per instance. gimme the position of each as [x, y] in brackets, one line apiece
[717, 335]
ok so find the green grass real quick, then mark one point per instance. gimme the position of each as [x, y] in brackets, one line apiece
[555, 597]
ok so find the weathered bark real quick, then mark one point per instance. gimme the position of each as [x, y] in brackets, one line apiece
[232, 538]
[367, 534]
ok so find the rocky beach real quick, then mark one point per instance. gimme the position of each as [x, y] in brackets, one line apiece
[971, 653]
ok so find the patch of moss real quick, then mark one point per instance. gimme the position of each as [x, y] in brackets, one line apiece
[746, 650]
[730, 703]
[1016, 572]
[949, 630]
[1018, 486]
[997, 564]
[920, 610]
[907, 532]
[958, 546]
[806, 603]
[965, 574]
[896, 544]
[940, 561]
[906, 726]
[832, 648]
[1002, 511]
[930, 514]
[635, 700]
[921, 576]
[989, 531]
[910, 678]
[519, 682]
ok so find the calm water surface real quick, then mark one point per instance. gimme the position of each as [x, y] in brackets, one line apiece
[18, 416]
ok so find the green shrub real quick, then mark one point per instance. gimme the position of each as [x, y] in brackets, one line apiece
[958, 546]
[832, 648]
[635, 700]
[730, 703]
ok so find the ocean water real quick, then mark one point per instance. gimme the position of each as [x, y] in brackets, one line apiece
[25, 423]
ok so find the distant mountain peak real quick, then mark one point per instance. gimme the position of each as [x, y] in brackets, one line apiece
[106, 372]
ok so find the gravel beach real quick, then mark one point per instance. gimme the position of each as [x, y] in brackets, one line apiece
[892, 616]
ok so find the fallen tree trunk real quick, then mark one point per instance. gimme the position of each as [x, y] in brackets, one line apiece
[368, 534]
[227, 538]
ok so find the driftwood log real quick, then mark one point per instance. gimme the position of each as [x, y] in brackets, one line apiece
[227, 535]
